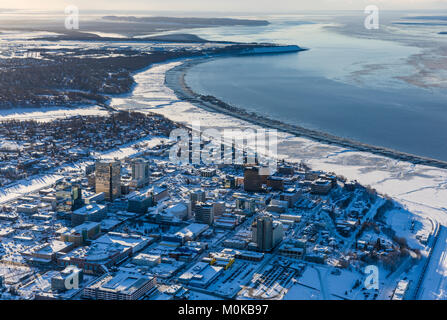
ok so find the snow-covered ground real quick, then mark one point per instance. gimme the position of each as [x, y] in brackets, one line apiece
[27, 186]
[434, 285]
[50, 113]
[409, 226]
[324, 285]
[129, 149]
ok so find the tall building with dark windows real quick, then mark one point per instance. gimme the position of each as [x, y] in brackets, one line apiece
[195, 197]
[205, 213]
[255, 178]
[69, 196]
[108, 179]
[266, 233]
[76, 197]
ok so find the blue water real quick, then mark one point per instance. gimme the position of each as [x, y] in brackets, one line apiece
[343, 85]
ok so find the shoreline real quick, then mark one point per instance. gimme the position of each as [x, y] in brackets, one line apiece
[175, 80]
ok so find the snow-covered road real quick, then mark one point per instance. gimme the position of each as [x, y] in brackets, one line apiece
[434, 284]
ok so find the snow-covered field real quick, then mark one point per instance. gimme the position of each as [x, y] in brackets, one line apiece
[409, 226]
[27, 186]
[434, 286]
[50, 113]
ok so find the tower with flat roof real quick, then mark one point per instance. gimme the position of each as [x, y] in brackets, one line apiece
[205, 213]
[140, 172]
[108, 179]
[266, 233]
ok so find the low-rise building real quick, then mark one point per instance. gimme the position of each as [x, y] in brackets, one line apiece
[139, 202]
[121, 286]
[201, 274]
[189, 233]
[149, 260]
[71, 275]
[27, 208]
[321, 186]
[47, 252]
[92, 212]
[81, 233]
[291, 250]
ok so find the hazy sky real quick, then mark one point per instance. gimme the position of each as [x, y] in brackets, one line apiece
[224, 5]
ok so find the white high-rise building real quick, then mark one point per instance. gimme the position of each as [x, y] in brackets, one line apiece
[140, 172]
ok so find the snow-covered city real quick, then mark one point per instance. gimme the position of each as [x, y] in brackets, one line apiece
[124, 176]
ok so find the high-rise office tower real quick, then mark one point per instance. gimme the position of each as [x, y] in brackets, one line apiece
[266, 233]
[255, 178]
[140, 172]
[205, 213]
[69, 196]
[108, 179]
[195, 197]
[76, 197]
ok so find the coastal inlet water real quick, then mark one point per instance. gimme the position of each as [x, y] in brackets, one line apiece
[346, 86]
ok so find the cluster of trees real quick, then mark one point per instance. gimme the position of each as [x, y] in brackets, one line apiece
[77, 78]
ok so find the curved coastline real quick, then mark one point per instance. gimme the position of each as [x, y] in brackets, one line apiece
[175, 80]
